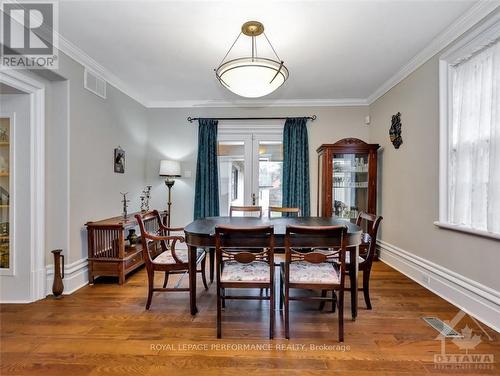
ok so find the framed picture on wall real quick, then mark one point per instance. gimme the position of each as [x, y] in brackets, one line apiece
[119, 160]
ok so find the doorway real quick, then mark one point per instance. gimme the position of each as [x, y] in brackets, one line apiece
[22, 162]
[250, 170]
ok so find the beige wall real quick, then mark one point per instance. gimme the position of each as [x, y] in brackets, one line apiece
[171, 136]
[409, 182]
[80, 145]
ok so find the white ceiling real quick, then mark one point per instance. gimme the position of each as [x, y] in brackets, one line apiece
[165, 51]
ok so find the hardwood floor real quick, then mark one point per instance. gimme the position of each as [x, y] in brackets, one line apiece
[105, 330]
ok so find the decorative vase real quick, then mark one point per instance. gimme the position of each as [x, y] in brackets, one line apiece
[57, 286]
[132, 237]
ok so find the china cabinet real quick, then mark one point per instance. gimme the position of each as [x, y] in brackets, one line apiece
[347, 178]
[5, 192]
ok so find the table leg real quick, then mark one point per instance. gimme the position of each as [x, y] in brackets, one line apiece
[354, 281]
[212, 264]
[192, 279]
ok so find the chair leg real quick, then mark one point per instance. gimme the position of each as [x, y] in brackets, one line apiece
[281, 294]
[334, 301]
[203, 276]
[366, 288]
[223, 300]
[271, 313]
[322, 303]
[211, 253]
[151, 278]
[219, 312]
[165, 281]
[341, 315]
[287, 313]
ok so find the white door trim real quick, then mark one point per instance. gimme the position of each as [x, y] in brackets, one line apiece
[36, 90]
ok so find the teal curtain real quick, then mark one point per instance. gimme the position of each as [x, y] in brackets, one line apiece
[296, 165]
[206, 199]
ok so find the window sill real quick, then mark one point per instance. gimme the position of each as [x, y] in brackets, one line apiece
[467, 230]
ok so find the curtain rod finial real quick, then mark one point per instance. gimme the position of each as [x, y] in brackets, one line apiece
[190, 119]
[313, 117]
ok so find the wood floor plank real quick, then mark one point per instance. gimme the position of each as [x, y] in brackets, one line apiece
[104, 330]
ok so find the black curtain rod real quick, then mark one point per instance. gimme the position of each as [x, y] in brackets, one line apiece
[312, 118]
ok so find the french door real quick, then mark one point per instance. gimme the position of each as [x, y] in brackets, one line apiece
[250, 170]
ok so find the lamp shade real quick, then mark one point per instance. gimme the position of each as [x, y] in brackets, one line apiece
[252, 77]
[170, 168]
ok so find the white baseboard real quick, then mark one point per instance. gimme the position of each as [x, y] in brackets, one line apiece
[473, 298]
[76, 276]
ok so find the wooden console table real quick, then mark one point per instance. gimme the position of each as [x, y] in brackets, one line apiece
[109, 253]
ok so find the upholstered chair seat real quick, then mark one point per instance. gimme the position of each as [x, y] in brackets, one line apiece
[306, 272]
[256, 271]
[182, 255]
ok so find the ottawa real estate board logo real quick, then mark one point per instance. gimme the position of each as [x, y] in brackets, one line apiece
[29, 35]
[469, 338]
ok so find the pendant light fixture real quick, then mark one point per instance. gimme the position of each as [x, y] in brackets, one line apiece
[252, 76]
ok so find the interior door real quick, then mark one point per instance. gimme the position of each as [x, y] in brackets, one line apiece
[250, 170]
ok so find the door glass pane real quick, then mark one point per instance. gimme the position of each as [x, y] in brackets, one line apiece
[270, 174]
[4, 192]
[350, 185]
[231, 156]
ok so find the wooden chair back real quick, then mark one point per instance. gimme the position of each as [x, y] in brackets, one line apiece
[332, 240]
[154, 235]
[277, 209]
[245, 209]
[244, 244]
[372, 222]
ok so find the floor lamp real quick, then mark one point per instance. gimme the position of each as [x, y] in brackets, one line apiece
[170, 170]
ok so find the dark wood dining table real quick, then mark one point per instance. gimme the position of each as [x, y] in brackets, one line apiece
[201, 234]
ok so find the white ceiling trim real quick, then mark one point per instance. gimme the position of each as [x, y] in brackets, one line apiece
[261, 103]
[88, 62]
[475, 14]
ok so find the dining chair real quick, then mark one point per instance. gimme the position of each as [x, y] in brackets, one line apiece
[244, 259]
[170, 260]
[245, 209]
[367, 251]
[314, 270]
[282, 210]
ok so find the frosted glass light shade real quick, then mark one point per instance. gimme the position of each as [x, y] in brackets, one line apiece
[170, 168]
[252, 78]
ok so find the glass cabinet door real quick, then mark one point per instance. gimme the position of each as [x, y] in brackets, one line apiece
[4, 193]
[350, 185]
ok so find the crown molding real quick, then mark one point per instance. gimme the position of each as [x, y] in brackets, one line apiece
[346, 102]
[89, 63]
[474, 15]
[470, 18]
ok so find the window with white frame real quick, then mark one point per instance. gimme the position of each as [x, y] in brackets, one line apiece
[470, 135]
